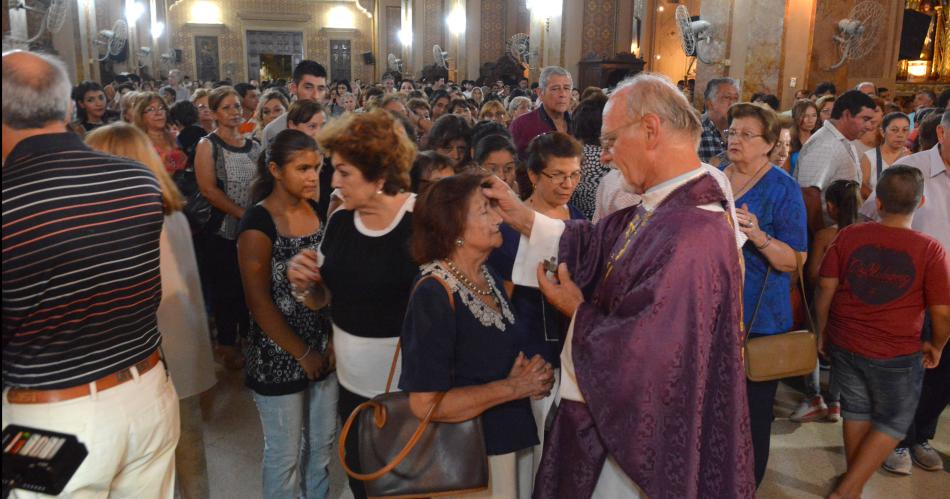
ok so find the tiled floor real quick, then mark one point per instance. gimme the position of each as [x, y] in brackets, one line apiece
[805, 459]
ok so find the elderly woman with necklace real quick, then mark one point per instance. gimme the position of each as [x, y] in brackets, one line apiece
[770, 210]
[460, 335]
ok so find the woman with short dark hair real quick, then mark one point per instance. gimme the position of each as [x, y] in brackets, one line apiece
[588, 118]
[460, 334]
[91, 109]
[497, 154]
[771, 212]
[451, 135]
[554, 170]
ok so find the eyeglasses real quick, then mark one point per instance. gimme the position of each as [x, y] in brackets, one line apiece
[608, 139]
[743, 136]
[152, 110]
[559, 178]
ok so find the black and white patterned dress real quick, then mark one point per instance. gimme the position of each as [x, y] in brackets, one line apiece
[585, 196]
[270, 370]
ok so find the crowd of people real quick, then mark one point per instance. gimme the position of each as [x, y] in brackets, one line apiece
[578, 268]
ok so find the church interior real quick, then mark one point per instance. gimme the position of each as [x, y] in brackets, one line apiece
[779, 47]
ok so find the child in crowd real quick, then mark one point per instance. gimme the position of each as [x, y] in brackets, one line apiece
[877, 281]
[289, 361]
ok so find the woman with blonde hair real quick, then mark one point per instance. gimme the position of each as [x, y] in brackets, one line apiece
[205, 115]
[151, 116]
[271, 105]
[494, 110]
[182, 322]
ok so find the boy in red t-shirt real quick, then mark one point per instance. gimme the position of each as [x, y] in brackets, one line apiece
[877, 281]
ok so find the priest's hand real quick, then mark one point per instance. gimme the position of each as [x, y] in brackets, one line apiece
[504, 200]
[563, 294]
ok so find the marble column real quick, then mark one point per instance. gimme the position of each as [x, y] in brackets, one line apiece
[746, 45]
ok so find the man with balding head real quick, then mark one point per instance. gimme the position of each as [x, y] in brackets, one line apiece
[653, 397]
[81, 289]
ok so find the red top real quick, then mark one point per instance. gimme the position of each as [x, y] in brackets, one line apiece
[887, 277]
[173, 158]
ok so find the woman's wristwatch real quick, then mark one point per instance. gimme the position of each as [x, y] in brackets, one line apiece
[768, 241]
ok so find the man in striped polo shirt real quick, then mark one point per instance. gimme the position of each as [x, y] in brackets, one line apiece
[81, 287]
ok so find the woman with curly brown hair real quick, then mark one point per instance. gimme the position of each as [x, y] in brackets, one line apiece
[363, 261]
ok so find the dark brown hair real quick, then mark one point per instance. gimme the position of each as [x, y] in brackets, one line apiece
[302, 111]
[440, 215]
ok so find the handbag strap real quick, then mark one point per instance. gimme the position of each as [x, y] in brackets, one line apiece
[880, 162]
[448, 290]
[801, 284]
[379, 411]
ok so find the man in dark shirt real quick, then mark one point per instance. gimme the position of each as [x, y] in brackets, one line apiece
[551, 115]
[81, 287]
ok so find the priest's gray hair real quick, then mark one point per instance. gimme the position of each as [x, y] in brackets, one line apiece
[550, 71]
[653, 93]
[36, 90]
[945, 120]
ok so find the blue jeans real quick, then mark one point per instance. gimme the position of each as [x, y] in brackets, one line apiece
[299, 433]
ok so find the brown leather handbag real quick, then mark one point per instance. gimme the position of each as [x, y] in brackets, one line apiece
[783, 355]
[443, 458]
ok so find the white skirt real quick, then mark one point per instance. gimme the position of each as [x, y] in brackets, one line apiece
[362, 364]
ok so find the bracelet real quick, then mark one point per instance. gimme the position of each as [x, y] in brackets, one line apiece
[768, 241]
[300, 296]
[298, 359]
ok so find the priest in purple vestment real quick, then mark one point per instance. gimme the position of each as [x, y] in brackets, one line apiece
[653, 400]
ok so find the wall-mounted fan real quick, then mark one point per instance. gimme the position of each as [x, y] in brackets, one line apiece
[110, 42]
[441, 57]
[394, 63]
[694, 34]
[859, 33]
[519, 48]
[54, 14]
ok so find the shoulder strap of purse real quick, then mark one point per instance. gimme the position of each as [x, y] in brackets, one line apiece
[880, 161]
[392, 368]
[379, 412]
[801, 284]
[758, 302]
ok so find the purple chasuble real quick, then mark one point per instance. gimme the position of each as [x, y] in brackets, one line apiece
[657, 355]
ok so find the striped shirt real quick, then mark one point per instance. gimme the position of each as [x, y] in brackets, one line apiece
[81, 282]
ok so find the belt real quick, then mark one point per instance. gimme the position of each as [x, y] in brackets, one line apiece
[31, 396]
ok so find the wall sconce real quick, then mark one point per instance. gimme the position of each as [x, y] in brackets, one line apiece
[341, 17]
[205, 12]
[456, 20]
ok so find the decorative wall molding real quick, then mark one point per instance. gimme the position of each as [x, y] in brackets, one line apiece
[206, 28]
[274, 16]
[340, 32]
